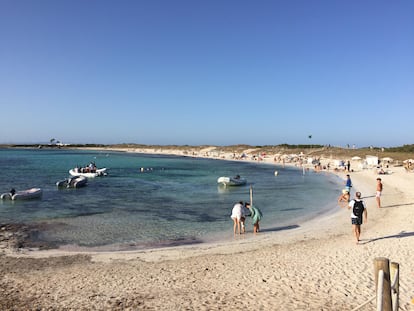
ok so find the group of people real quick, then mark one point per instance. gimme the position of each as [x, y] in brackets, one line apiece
[91, 168]
[239, 213]
[359, 211]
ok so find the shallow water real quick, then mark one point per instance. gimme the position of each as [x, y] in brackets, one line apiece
[174, 200]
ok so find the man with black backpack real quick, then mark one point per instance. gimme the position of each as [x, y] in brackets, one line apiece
[358, 210]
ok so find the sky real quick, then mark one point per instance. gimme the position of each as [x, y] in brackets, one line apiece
[217, 72]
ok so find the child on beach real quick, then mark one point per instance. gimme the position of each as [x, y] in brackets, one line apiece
[245, 213]
[344, 198]
[256, 215]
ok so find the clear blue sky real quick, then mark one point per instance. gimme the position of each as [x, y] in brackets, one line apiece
[207, 72]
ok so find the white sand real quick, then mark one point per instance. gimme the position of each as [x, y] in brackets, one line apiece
[317, 266]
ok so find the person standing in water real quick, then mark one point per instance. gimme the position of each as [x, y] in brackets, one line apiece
[236, 215]
[256, 215]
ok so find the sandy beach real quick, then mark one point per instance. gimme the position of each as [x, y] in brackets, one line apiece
[314, 266]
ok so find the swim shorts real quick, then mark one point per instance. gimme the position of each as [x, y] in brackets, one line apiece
[356, 221]
[378, 194]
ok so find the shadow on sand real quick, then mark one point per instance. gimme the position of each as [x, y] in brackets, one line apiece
[367, 197]
[402, 234]
[274, 229]
[396, 205]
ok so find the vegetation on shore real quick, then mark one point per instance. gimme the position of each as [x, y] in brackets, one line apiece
[397, 153]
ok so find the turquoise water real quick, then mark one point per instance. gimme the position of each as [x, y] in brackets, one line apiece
[174, 200]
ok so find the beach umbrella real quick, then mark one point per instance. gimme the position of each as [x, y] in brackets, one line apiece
[356, 158]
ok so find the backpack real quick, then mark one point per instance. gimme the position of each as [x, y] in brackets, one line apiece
[358, 208]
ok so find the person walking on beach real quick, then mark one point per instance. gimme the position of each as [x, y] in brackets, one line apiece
[256, 215]
[359, 211]
[236, 215]
[378, 193]
[348, 183]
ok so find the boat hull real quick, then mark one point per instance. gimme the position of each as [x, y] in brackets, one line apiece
[72, 182]
[231, 181]
[98, 172]
[33, 193]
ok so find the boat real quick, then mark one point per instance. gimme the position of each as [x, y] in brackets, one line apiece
[72, 182]
[88, 173]
[28, 194]
[232, 181]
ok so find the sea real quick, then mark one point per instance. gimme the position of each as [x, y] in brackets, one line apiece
[150, 201]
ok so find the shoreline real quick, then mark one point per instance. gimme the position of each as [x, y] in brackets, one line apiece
[315, 266]
[40, 249]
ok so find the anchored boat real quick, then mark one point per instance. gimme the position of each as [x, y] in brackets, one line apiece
[72, 182]
[232, 181]
[28, 194]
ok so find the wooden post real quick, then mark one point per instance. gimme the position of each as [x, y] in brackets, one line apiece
[251, 195]
[395, 285]
[381, 263]
[379, 290]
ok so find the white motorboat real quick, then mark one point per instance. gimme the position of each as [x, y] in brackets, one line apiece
[232, 181]
[28, 194]
[88, 173]
[72, 182]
